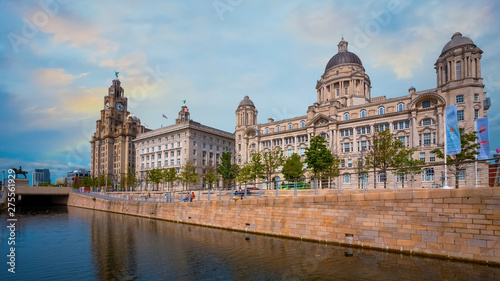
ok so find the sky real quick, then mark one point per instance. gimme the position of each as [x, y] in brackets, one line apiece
[59, 57]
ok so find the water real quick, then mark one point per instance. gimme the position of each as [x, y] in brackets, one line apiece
[66, 243]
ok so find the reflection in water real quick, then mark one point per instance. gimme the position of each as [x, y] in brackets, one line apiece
[110, 246]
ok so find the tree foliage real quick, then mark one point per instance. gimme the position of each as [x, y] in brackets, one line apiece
[188, 175]
[226, 169]
[210, 176]
[169, 176]
[271, 161]
[293, 169]
[380, 155]
[403, 161]
[244, 174]
[156, 176]
[256, 167]
[458, 162]
[318, 156]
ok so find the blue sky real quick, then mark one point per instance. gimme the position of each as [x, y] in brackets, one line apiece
[57, 61]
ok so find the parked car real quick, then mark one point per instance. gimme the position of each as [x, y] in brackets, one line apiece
[300, 185]
[242, 192]
[252, 188]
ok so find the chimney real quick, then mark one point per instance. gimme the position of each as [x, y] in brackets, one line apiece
[270, 120]
[411, 90]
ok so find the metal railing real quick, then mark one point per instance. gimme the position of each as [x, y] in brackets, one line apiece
[469, 175]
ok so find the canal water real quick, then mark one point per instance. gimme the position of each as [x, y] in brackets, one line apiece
[67, 243]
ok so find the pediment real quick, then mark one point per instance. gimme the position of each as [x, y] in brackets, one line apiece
[320, 120]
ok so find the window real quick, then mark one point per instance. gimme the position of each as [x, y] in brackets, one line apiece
[194, 151]
[172, 162]
[178, 153]
[401, 178]
[290, 126]
[266, 131]
[432, 157]
[401, 106]
[337, 92]
[461, 175]
[342, 163]
[302, 151]
[459, 70]
[460, 115]
[422, 156]
[476, 113]
[178, 136]
[428, 174]
[159, 164]
[362, 113]
[289, 152]
[381, 110]
[159, 156]
[346, 116]
[178, 161]
[302, 124]
[426, 104]
[426, 122]
[347, 179]
[363, 177]
[427, 138]
[381, 177]
[363, 145]
[278, 128]
[402, 139]
[346, 147]
[476, 97]
[407, 124]
[349, 163]
[460, 98]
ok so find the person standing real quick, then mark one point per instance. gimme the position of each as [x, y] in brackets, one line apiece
[191, 197]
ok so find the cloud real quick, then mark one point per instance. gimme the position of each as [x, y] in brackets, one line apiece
[55, 76]
[131, 64]
[78, 33]
[57, 168]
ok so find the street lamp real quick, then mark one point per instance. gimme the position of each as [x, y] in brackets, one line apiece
[362, 176]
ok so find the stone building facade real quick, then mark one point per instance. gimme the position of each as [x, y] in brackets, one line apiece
[347, 116]
[173, 146]
[112, 150]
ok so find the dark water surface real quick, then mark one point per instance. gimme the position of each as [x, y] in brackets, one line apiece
[67, 243]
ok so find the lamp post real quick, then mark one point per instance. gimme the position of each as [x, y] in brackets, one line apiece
[362, 175]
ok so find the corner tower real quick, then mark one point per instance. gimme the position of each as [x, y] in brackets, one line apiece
[246, 117]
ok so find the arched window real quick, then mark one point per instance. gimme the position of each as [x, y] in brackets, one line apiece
[266, 131]
[382, 177]
[246, 119]
[401, 106]
[346, 116]
[381, 110]
[278, 128]
[290, 126]
[426, 122]
[362, 113]
[347, 178]
[302, 124]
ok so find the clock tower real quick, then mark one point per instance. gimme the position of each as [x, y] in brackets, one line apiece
[112, 151]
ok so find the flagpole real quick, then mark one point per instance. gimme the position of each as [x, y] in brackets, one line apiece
[445, 155]
[475, 162]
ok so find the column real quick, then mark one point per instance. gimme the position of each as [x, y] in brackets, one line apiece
[473, 67]
[414, 133]
[478, 66]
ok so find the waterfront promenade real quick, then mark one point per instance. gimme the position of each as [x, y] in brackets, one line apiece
[449, 223]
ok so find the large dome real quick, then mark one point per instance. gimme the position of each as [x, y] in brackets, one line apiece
[343, 57]
[457, 40]
[246, 101]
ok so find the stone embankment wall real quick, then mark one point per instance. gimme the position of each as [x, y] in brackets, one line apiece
[458, 224]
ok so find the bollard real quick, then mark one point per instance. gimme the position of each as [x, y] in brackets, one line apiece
[209, 195]
[260, 192]
[165, 198]
[245, 192]
[182, 194]
[276, 187]
[316, 188]
[220, 193]
[295, 190]
[199, 194]
[232, 192]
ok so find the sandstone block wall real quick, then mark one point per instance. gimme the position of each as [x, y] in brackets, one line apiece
[461, 223]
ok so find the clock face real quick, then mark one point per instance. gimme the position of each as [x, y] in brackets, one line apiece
[120, 106]
[107, 105]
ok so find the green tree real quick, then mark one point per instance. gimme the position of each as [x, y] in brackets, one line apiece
[156, 176]
[271, 161]
[244, 174]
[226, 169]
[380, 155]
[293, 169]
[404, 163]
[169, 176]
[188, 175]
[458, 162]
[256, 167]
[332, 171]
[130, 179]
[318, 156]
[87, 182]
[210, 176]
[103, 182]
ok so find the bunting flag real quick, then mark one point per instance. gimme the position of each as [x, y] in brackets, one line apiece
[145, 124]
[483, 131]
[453, 145]
[186, 109]
[165, 116]
[184, 101]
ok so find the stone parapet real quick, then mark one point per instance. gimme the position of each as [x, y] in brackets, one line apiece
[458, 224]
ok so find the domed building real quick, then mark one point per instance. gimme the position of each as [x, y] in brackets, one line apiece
[347, 116]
